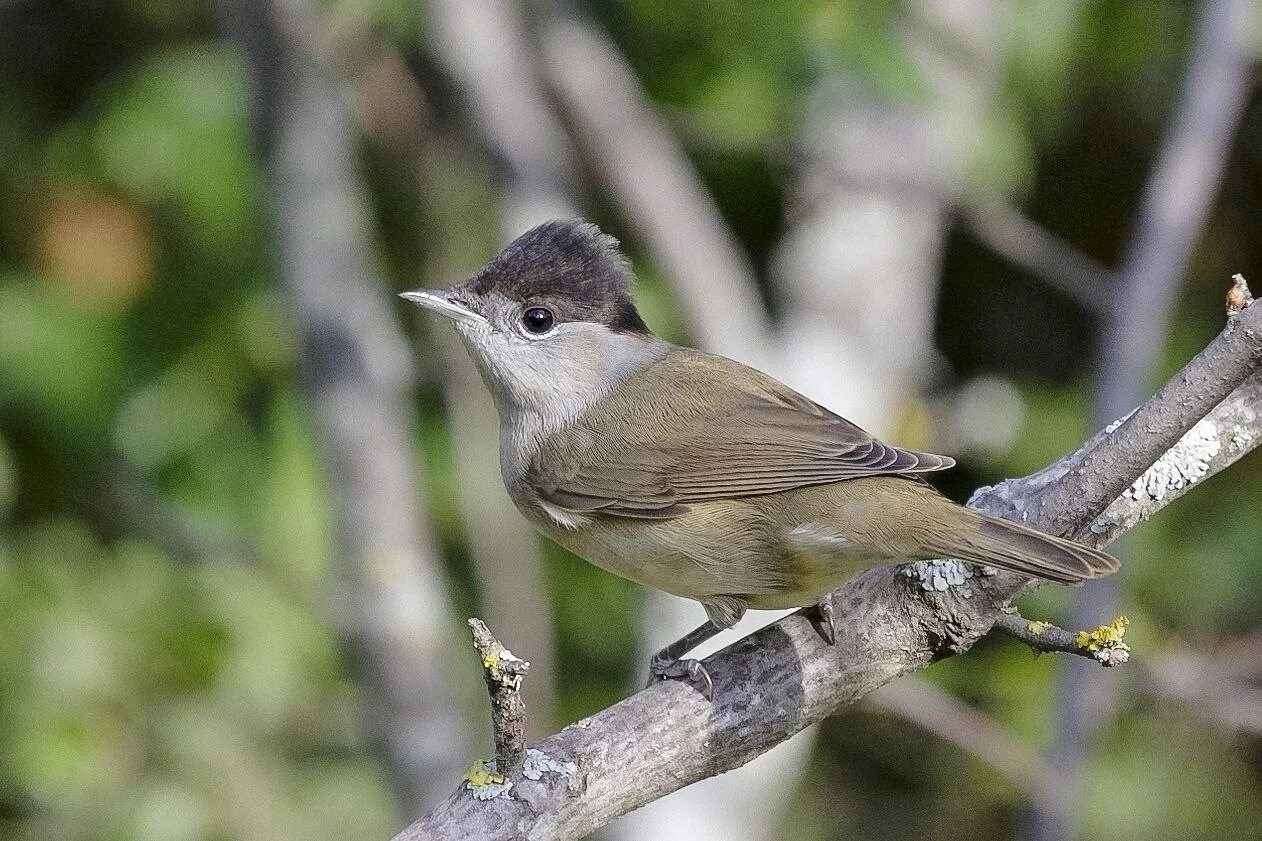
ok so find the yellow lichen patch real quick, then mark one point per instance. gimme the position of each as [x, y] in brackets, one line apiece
[479, 775]
[1105, 637]
[1036, 627]
[490, 661]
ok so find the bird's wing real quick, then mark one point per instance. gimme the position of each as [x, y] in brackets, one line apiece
[719, 431]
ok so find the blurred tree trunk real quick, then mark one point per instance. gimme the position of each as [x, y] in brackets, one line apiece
[389, 599]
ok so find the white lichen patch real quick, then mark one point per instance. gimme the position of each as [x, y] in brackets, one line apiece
[1109, 657]
[938, 576]
[1104, 523]
[490, 791]
[1113, 427]
[539, 763]
[1183, 464]
[1239, 439]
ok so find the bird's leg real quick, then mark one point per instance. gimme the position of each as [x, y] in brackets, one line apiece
[821, 616]
[669, 663]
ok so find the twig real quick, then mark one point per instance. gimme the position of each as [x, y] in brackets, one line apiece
[781, 679]
[1238, 296]
[503, 673]
[1104, 644]
[507, 556]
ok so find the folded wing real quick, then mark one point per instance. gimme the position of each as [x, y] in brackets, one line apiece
[722, 431]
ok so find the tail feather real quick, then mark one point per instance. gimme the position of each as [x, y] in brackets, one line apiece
[1008, 545]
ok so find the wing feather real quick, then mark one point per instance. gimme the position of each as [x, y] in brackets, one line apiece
[748, 435]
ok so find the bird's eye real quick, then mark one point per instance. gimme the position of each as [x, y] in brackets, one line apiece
[537, 320]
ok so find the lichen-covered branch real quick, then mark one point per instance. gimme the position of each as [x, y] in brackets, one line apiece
[781, 679]
[504, 673]
[1104, 644]
[1209, 447]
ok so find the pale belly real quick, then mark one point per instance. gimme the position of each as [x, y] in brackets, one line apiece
[731, 548]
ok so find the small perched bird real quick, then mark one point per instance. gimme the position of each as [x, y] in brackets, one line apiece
[690, 472]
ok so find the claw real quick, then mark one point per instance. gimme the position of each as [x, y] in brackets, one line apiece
[669, 663]
[822, 619]
[700, 678]
[690, 670]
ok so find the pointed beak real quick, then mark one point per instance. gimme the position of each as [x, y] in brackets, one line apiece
[438, 301]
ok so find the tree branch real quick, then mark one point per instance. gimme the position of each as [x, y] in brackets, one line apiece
[1067, 497]
[781, 679]
[503, 672]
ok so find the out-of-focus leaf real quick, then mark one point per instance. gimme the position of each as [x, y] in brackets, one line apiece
[8, 481]
[1165, 777]
[398, 20]
[291, 519]
[143, 698]
[174, 131]
[57, 356]
[181, 409]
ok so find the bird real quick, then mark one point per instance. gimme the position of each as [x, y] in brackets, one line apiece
[690, 472]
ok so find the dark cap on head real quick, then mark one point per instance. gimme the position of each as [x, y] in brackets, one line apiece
[568, 266]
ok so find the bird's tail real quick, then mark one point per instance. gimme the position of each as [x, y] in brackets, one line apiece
[1008, 545]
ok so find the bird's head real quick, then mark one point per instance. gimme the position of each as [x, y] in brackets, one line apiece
[550, 318]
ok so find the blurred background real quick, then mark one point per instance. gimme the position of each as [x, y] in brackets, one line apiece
[248, 498]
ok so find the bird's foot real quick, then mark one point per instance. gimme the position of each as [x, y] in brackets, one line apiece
[822, 619]
[688, 669]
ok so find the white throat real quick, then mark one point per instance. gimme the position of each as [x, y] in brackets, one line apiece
[540, 386]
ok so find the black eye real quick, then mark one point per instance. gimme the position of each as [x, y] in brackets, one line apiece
[537, 320]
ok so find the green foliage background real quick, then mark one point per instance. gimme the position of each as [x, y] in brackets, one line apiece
[167, 667]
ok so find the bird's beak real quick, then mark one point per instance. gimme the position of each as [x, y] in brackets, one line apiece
[440, 302]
